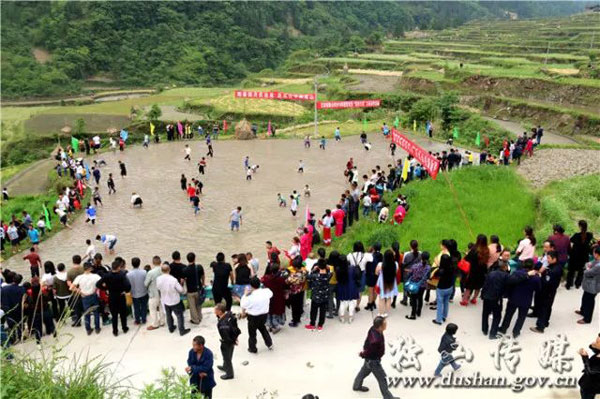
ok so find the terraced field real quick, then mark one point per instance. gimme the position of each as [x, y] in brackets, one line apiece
[545, 70]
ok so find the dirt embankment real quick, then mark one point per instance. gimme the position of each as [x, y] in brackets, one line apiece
[375, 83]
[556, 164]
[418, 85]
[561, 121]
[586, 98]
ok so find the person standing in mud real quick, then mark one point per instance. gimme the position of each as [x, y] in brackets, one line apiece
[123, 169]
[111, 184]
[183, 182]
[210, 152]
[201, 165]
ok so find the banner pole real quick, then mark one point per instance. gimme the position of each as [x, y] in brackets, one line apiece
[316, 116]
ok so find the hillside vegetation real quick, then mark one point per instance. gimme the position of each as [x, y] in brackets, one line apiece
[52, 48]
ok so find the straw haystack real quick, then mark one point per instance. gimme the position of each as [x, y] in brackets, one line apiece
[243, 130]
[112, 130]
[66, 129]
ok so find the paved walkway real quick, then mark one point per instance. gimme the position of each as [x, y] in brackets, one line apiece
[518, 129]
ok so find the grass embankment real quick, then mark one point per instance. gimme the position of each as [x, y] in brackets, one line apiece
[33, 205]
[495, 200]
[566, 202]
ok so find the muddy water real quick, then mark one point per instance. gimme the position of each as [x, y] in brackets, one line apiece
[167, 222]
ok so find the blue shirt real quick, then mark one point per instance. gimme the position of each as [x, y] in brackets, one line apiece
[91, 212]
[34, 235]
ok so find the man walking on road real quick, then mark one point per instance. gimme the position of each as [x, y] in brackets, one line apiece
[255, 303]
[229, 332]
[373, 350]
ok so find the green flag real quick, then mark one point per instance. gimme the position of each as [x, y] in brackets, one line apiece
[47, 216]
[397, 122]
[478, 140]
[455, 132]
[75, 144]
[365, 123]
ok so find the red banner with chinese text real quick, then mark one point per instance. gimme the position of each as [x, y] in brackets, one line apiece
[273, 95]
[348, 104]
[429, 162]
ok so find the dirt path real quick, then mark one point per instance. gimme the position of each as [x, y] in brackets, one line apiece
[32, 180]
[518, 129]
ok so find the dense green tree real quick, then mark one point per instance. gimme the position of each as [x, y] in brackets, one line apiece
[152, 43]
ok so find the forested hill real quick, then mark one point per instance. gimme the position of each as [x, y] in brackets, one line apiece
[150, 43]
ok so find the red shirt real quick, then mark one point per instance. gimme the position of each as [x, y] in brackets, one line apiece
[191, 191]
[33, 258]
[273, 250]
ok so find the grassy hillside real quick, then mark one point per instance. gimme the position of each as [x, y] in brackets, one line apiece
[494, 199]
[55, 47]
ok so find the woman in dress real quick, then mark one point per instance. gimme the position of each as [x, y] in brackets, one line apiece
[338, 216]
[305, 243]
[478, 258]
[386, 282]
[348, 282]
[370, 275]
[326, 222]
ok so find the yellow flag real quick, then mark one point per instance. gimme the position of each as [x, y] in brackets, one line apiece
[151, 129]
[414, 125]
[405, 168]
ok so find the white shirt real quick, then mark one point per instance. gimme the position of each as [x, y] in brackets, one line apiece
[96, 140]
[367, 201]
[60, 204]
[294, 251]
[255, 265]
[41, 224]
[525, 249]
[310, 263]
[235, 215]
[60, 212]
[327, 221]
[90, 251]
[359, 259]
[169, 289]
[188, 150]
[134, 197]
[47, 279]
[86, 283]
[294, 205]
[108, 238]
[257, 302]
